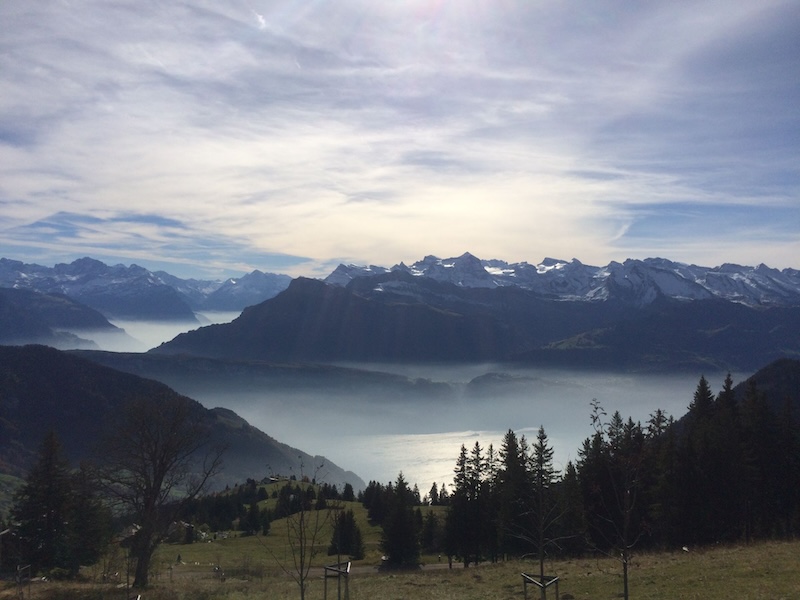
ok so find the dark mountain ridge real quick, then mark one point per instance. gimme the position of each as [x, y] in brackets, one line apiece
[43, 389]
[136, 293]
[779, 384]
[29, 317]
[399, 317]
[312, 321]
[199, 377]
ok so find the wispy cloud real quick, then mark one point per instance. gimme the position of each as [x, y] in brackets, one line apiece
[289, 135]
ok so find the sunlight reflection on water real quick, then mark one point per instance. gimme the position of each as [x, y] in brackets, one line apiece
[378, 437]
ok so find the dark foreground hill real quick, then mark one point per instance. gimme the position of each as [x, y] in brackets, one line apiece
[201, 377]
[43, 389]
[397, 317]
[779, 384]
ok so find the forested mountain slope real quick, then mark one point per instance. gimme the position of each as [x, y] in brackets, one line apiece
[42, 389]
[27, 316]
[399, 317]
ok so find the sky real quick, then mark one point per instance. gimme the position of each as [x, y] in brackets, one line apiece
[212, 138]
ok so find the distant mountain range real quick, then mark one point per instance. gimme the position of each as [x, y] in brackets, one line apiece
[120, 292]
[638, 315]
[42, 389]
[637, 282]
[28, 317]
[651, 314]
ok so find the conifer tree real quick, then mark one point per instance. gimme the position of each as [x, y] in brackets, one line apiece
[458, 525]
[611, 470]
[572, 526]
[546, 510]
[703, 400]
[59, 519]
[42, 509]
[433, 495]
[514, 494]
[400, 541]
[788, 467]
[347, 493]
[431, 535]
[758, 458]
[346, 538]
[697, 468]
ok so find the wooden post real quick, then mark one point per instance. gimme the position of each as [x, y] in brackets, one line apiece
[545, 582]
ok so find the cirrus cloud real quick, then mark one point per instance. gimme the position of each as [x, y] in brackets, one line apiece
[290, 136]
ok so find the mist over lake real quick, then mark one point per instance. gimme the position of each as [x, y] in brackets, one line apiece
[377, 437]
[378, 433]
[144, 335]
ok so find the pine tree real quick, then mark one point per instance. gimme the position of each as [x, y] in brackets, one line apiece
[546, 510]
[431, 535]
[611, 473]
[758, 429]
[571, 527]
[90, 520]
[60, 522]
[433, 495]
[788, 466]
[346, 538]
[703, 400]
[514, 495]
[400, 541]
[459, 522]
[347, 494]
[697, 468]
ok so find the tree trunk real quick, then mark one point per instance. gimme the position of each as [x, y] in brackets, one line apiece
[142, 552]
[625, 576]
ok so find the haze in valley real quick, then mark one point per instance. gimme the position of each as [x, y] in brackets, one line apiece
[378, 433]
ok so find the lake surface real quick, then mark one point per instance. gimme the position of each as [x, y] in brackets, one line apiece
[377, 437]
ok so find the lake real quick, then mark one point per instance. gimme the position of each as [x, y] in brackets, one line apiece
[378, 437]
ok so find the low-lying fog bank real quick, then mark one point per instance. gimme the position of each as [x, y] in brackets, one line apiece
[377, 431]
[377, 436]
[144, 335]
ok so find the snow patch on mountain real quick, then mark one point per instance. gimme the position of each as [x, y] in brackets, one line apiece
[133, 292]
[638, 282]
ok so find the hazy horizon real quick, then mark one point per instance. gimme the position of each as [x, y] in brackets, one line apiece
[377, 436]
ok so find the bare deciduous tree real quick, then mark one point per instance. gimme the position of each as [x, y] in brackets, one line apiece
[155, 459]
[304, 533]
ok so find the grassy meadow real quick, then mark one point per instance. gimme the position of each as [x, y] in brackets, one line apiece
[252, 569]
[763, 571]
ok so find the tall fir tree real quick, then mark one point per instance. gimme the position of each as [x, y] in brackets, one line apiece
[41, 508]
[514, 494]
[400, 541]
[545, 508]
[60, 522]
[346, 538]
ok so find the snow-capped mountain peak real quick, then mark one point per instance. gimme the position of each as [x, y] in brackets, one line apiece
[639, 282]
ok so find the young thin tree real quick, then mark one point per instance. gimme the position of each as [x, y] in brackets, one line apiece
[304, 529]
[611, 464]
[546, 510]
[149, 466]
